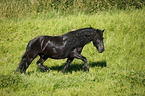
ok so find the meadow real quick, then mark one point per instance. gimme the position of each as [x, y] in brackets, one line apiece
[119, 70]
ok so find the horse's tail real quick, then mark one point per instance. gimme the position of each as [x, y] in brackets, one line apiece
[26, 60]
[23, 65]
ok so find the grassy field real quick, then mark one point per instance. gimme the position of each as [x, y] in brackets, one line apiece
[119, 70]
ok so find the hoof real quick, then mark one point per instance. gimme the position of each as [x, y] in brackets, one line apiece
[63, 71]
[46, 70]
[86, 69]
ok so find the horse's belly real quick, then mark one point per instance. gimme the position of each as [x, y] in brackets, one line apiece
[54, 53]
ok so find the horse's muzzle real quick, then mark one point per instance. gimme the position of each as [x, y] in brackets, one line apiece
[101, 49]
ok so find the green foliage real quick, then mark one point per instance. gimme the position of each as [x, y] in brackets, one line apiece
[14, 8]
[119, 70]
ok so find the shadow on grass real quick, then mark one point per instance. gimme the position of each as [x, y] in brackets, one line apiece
[77, 66]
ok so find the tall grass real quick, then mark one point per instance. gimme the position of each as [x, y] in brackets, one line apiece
[15, 8]
[119, 70]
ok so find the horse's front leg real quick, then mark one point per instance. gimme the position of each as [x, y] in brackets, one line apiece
[69, 60]
[79, 56]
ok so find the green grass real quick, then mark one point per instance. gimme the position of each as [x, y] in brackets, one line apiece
[119, 70]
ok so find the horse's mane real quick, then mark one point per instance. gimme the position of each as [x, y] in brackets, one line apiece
[79, 32]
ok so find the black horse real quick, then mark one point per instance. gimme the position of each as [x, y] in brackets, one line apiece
[69, 46]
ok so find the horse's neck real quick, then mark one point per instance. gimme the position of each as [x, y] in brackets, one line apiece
[81, 39]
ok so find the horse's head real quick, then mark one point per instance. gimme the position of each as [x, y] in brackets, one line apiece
[98, 40]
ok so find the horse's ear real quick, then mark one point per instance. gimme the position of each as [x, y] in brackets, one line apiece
[103, 30]
[97, 30]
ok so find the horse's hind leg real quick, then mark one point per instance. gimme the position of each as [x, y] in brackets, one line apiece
[40, 62]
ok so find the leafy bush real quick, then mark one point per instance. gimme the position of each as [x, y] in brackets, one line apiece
[13, 8]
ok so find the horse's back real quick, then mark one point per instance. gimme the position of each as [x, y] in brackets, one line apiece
[36, 43]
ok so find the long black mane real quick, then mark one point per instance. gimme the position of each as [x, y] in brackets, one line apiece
[83, 35]
[79, 31]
